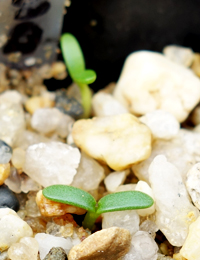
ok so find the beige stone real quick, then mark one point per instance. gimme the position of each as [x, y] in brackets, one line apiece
[34, 103]
[49, 208]
[4, 172]
[111, 243]
[120, 140]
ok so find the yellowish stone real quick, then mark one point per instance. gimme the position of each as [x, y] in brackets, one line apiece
[50, 208]
[18, 158]
[4, 172]
[178, 256]
[33, 103]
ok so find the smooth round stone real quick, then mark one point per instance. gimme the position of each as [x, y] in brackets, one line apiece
[5, 152]
[8, 199]
[68, 105]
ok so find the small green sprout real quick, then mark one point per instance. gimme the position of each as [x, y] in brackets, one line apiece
[74, 60]
[125, 200]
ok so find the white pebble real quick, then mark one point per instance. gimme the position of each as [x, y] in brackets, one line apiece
[105, 104]
[193, 184]
[12, 228]
[89, 174]
[51, 163]
[143, 247]
[150, 81]
[174, 210]
[115, 179]
[162, 124]
[181, 55]
[127, 219]
[46, 242]
[144, 187]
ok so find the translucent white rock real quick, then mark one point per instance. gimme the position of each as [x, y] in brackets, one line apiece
[28, 184]
[26, 249]
[27, 138]
[12, 122]
[14, 181]
[119, 140]
[174, 210]
[51, 163]
[150, 227]
[162, 124]
[127, 219]
[144, 187]
[182, 151]
[126, 187]
[89, 174]
[143, 247]
[105, 104]
[64, 126]
[150, 81]
[46, 120]
[46, 242]
[11, 96]
[191, 246]
[181, 55]
[193, 184]
[12, 228]
[115, 179]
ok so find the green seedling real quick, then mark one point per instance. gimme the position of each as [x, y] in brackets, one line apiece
[74, 60]
[125, 200]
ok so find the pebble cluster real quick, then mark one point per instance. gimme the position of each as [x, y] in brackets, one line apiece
[133, 141]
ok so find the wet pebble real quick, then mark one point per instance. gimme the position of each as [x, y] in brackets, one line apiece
[5, 152]
[8, 199]
[68, 105]
[56, 253]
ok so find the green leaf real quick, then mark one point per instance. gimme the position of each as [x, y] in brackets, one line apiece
[70, 195]
[74, 60]
[125, 200]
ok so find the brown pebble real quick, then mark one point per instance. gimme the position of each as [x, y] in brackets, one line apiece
[56, 253]
[111, 243]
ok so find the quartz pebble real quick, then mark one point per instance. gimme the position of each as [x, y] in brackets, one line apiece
[111, 243]
[115, 179]
[46, 242]
[89, 174]
[193, 184]
[105, 104]
[126, 187]
[150, 81]
[119, 141]
[34, 103]
[183, 151]
[14, 181]
[49, 208]
[174, 212]
[8, 199]
[162, 124]
[12, 228]
[191, 246]
[4, 255]
[56, 253]
[51, 163]
[26, 249]
[150, 227]
[127, 219]
[11, 96]
[13, 122]
[18, 158]
[4, 172]
[5, 152]
[181, 55]
[144, 187]
[143, 247]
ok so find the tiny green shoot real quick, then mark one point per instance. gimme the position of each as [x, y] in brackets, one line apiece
[125, 200]
[74, 60]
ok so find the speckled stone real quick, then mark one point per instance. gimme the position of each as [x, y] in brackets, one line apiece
[8, 199]
[56, 253]
[5, 152]
[68, 105]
